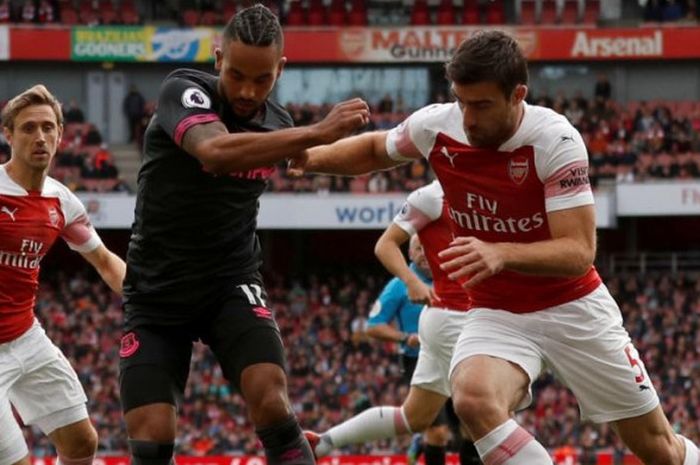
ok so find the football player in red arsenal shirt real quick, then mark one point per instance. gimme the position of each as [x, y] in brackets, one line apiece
[422, 220]
[34, 211]
[515, 177]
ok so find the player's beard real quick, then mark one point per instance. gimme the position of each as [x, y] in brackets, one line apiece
[246, 109]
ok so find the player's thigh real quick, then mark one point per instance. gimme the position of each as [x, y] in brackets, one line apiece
[439, 330]
[12, 445]
[422, 407]
[496, 358]
[243, 332]
[48, 388]
[590, 351]
[154, 363]
[649, 436]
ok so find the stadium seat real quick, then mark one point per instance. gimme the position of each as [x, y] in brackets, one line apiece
[295, 15]
[337, 14]
[592, 12]
[495, 13]
[210, 18]
[470, 13]
[130, 16]
[69, 16]
[190, 17]
[109, 16]
[445, 13]
[528, 13]
[570, 15]
[420, 15]
[549, 12]
[357, 17]
[229, 10]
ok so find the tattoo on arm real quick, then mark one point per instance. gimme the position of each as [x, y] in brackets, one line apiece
[200, 133]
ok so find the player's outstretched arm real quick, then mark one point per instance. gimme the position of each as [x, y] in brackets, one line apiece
[388, 251]
[221, 152]
[570, 252]
[110, 267]
[351, 156]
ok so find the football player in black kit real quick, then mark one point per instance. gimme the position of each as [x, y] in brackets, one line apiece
[193, 258]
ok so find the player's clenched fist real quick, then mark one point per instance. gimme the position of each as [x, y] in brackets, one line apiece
[344, 119]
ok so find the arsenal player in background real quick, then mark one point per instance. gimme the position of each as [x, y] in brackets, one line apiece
[35, 210]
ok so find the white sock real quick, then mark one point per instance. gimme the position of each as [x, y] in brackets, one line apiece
[372, 424]
[692, 454]
[510, 444]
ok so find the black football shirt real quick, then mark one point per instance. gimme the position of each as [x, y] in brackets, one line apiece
[192, 229]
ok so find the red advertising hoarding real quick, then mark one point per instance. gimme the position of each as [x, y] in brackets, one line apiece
[388, 45]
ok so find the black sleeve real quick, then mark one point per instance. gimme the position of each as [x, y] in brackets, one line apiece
[182, 104]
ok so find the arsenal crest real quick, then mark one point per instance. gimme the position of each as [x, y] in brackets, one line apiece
[518, 169]
[53, 216]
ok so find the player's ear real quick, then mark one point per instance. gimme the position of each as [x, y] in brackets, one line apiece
[60, 133]
[8, 134]
[519, 93]
[218, 58]
[280, 66]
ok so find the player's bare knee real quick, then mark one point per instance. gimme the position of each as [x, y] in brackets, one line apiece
[437, 435]
[75, 441]
[473, 405]
[269, 407]
[420, 421]
[659, 451]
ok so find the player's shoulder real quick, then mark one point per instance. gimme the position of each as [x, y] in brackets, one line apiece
[279, 115]
[182, 79]
[438, 118]
[427, 198]
[193, 75]
[54, 188]
[545, 127]
[436, 114]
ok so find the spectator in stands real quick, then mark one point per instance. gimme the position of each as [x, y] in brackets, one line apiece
[73, 113]
[5, 11]
[134, 105]
[28, 11]
[672, 11]
[603, 89]
[653, 11]
[46, 13]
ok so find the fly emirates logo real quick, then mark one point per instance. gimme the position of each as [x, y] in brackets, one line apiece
[482, 216]
[28, 257]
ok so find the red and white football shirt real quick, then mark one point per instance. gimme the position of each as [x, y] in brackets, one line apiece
[30, 222]
[504, 195]
[425, 214]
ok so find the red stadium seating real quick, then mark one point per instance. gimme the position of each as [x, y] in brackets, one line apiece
[470, 12]
[445, 13]
[210, 18]
[495, 13]
[570, 15]
[592, 12]
[190, 17]
[549, 12]
[296, 14]
[420, 14]
[69, 16]
[528, 13]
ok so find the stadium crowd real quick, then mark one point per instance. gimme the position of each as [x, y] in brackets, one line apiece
[335, 371]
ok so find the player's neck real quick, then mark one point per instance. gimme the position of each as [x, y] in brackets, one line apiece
[520, 113]
[29, 179]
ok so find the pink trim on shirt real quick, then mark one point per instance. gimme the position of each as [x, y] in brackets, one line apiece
[190, 121]
[404, 143]
[78, 232]
[572, 179]
[508, 448]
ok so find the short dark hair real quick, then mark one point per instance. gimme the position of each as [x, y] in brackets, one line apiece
[489, 56]
[255, 25]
